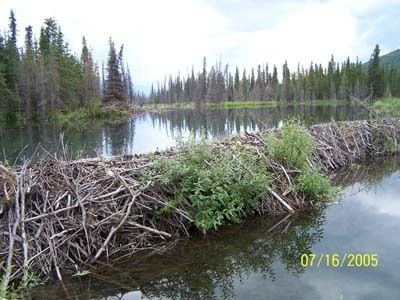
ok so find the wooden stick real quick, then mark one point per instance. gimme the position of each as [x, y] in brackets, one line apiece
[291, 210]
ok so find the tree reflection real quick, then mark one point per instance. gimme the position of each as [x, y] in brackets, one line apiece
[207, 267]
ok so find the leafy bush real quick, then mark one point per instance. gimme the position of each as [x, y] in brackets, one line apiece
[93, 106]
[220, 184]
[292, 149]
[316, 186]
[12, 119]
[294, 146]
[111, 114]
[15, 290]
[390, 145]
[70, 118]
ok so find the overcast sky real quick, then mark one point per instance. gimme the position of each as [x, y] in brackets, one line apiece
[164, 36]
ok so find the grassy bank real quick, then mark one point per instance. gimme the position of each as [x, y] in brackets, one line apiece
[239, 104]
[82, 117]
[388, 106]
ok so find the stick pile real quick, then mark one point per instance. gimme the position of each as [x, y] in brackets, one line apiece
[60, 216]
[343, 143]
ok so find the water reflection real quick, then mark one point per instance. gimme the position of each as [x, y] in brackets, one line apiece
[152, 131]
[207, 268]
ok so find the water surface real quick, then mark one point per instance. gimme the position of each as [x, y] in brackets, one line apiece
[151, 131]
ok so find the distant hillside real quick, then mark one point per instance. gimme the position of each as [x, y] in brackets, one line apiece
[390, 59]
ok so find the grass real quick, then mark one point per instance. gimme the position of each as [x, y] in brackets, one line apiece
[164, 106]
[389, 106]
[239, 104]
[242, 104]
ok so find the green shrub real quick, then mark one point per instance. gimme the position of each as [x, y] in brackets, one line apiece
[390, 145]
[294, 146]
[220, 184]
[15, 290]
[316, 186]
[93, 106]
[73, 118]
[12, 119]
[111, 114]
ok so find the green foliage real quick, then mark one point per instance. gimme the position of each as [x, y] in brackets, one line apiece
[294, 146]
[376, 74]
[388, 106]
[94, 106]
[390, 145]
[220, 184]
[82, 117]
[111, 115]
[292, 149]
[316, 186]
[12, 119]
[15, 290]
[74, 118]
[242, 104]
[390, 59]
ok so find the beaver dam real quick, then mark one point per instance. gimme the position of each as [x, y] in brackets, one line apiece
[60, 217]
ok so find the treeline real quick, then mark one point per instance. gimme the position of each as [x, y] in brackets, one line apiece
[43, 76]
[337, 81]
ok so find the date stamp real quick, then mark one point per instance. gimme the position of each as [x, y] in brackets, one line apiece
[339, 260]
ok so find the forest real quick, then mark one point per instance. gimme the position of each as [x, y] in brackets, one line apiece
[338, 81]
[43, 76]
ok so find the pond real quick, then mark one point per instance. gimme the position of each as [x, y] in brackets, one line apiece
[260, 258]
[151, 131]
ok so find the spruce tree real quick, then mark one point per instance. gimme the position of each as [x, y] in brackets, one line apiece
[11, 62]
[114, 87]
[375, 74]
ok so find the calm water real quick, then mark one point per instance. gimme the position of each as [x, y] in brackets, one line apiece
[259, 260]
[152, 131]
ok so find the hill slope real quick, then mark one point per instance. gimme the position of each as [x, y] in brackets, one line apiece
[390, 59]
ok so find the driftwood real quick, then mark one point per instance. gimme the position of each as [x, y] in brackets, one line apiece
[60, 216]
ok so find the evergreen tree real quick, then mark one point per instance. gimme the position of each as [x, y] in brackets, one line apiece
[91, 87]
[114, 87]
[375, 74]
[11, 63]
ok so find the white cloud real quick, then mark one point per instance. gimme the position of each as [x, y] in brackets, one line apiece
[162, 37]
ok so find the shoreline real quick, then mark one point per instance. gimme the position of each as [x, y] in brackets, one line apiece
[107, 114]
[240, 104]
